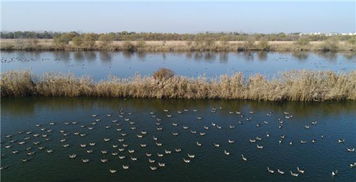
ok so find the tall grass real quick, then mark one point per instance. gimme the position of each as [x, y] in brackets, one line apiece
[289, 86]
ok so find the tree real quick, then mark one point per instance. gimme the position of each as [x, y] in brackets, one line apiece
[89, 40]
[77, 41]
[106, 39]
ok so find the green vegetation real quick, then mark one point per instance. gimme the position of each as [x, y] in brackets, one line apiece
[290, 86]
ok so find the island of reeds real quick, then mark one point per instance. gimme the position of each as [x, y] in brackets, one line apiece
[164, 42]
[288, 86]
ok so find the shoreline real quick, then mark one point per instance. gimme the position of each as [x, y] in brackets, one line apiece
[178, 46]
[302, 85]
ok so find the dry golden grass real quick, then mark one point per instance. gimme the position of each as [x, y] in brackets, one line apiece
[289, 86]
[169, 46]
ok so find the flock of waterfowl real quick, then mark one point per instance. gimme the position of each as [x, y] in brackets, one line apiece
[119, 146]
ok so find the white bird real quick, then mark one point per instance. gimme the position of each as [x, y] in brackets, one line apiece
[300, 170]
[72, 156]
[198, 144]
[226, 152]
[125, 166]
[270, 170]
[191, 156]
[334, 173]
[186, 160]
[243, 157]
[294, 174]
[112, 171]
[153, 168]
[280, 171]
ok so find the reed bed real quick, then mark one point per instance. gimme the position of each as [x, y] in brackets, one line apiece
[288, 86]
[177, 46]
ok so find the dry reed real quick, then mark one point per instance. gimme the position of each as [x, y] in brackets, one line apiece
[289, 86]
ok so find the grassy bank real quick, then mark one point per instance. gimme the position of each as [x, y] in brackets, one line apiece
[289, 86]
[177, 46]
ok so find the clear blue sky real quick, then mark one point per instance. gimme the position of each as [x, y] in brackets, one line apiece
[180, 17]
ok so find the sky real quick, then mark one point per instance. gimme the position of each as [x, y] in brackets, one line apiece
[180, 17]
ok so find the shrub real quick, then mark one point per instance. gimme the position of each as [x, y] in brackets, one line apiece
[77, 41]
[106, 39]
[249, 44]
[89, 40]
[263, 45]
[128, 46]
[302, 41]
[330, 45]
[163, 74]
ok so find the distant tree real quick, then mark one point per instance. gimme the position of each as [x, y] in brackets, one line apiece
[63, 39]
[263, 45]
[106, 39]
[77, 41]
[89, 40]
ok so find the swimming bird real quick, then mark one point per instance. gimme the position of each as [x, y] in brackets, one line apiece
[280, 171]
[334, 173]
[353, 165]
[350, 149]
[178, 149]
[153, 168]
[133, 158]
[230, 141]
[198, 144]
[104, 160]
[300, 170]
[125, 167]
[259, 146]
[161, 164]
[85, 160]
[226, 152]
[72, 156]
[49, 150]
[270, 170]
[186, 160]
[294, 174]
[216, 145]
[151, 160]
[112, 171]
[192, 156]
[243, 157]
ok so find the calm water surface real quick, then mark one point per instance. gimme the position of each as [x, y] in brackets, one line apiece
[117, 116]
[99, 65]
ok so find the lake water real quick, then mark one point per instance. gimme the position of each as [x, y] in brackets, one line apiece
[272, 125]
[99, 65]
[38, 134]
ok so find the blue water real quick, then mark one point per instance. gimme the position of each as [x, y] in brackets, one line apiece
[99, 65]
[334, 121]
